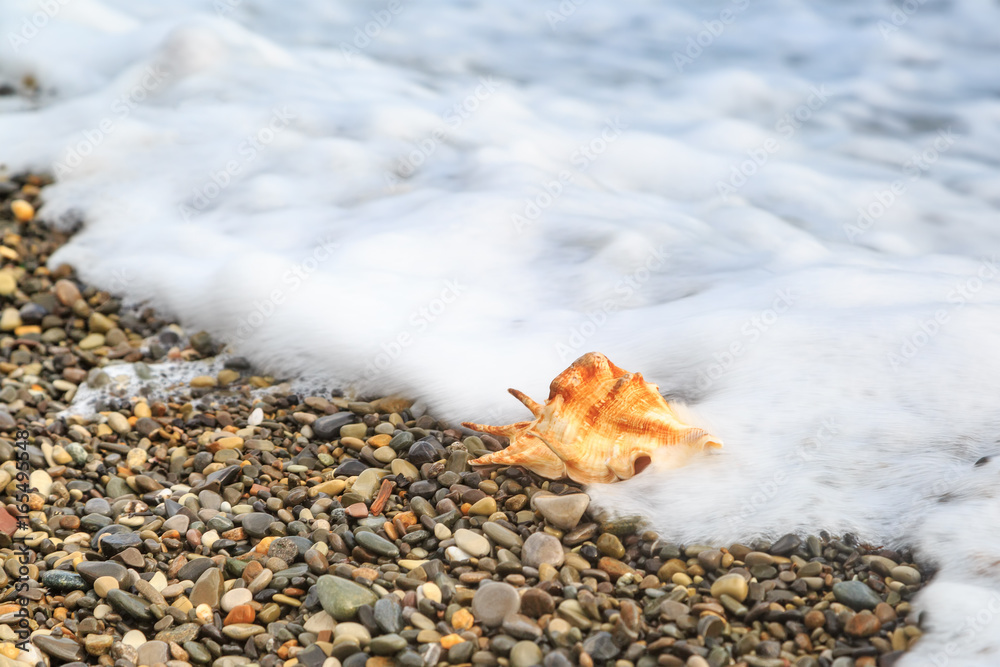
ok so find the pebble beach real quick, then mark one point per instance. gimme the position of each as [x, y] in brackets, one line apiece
[232, 521]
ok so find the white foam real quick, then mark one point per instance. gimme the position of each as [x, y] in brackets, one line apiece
[376, 200]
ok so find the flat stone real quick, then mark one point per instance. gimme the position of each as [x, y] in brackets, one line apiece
[506, 538]
[906, 574]
[91, 571]
[525, 654]
[542, 548]
[235, 597]
[134, 638]
[208, 588]
[63, 648]
[154, 653]
[472, 543]
[389, 614]
[105, 584]
[179, 633]
[494, 602]
[856, 595]
[341, 598]
[63, 581]
[328, 427]
[536, 603]
[198, 653]
[319, 622]
[733, 585]
[353, 630]
[600, 646]
[377, 545]
[97, 506]
[519, 626]
[387, 644]
[786, 545]
[192, 570]
[112, 545]
[129, 605]
[179, 522]
[863, 625]
[563, 511]
[242, 631]
[256, 523]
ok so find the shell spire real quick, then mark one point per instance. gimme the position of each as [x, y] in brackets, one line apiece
[599, 424]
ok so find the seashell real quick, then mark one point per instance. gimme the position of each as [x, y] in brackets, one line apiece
[600, 424]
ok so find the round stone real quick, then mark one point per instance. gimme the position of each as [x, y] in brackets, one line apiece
[733, 585]
[494, 602]
[105, 584]
[863, 625]
[525, 654]
[235, 598]
[134, 638]
[542, 548]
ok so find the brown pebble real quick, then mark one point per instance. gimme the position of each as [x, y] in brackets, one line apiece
[863, 625]
[815, 619]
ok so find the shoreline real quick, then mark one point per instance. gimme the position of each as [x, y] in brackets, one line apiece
[260, 504]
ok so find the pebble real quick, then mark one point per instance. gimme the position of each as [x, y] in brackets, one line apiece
[104, 584]
[525, 654]
[342, 598]
[235, 598]
[542, 548]
[905, 574]
[856, 595]
[494, 602]
[472, 543]
[377, 545]
[733, 585]
[563, 511]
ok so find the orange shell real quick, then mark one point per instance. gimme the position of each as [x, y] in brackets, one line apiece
[600, 424]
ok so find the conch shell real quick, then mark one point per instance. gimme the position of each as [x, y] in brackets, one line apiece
[600, 424]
